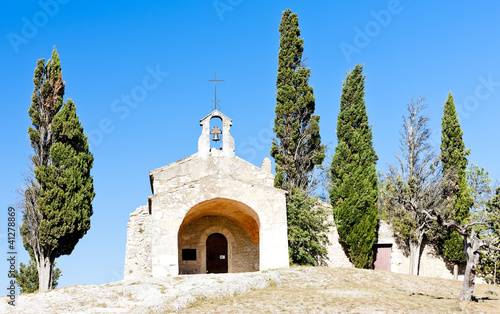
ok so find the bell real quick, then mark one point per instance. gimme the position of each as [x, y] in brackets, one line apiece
[216, 137]
[216, 131]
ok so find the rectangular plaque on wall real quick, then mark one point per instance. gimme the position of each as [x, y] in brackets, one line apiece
[189, 254]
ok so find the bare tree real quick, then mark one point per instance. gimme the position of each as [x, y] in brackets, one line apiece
[417, 194]
[472, 245]
[415, 185]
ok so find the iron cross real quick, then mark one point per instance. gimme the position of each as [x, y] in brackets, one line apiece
[215, 82]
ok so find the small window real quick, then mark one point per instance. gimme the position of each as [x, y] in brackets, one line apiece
[189, 254]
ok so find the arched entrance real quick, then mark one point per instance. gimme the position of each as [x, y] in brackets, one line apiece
[216, 254]
[235, 222]
[237, 211]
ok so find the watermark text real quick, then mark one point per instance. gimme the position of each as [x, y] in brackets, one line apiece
[123, 105]
[224, 6]
[11, 255]
[31, 26]
[363, 36]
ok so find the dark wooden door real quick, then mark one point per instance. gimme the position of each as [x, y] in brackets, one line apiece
[216, 253]
[382, 256]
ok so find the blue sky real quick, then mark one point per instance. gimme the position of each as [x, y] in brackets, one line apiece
[137, 73]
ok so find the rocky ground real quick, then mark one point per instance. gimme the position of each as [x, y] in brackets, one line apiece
[296, 290]
[132, 296]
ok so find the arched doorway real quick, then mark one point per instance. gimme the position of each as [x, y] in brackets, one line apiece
[216, 254]
[237, 222]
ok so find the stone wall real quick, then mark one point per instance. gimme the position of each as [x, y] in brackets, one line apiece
[138, 249]
[336, 255]
[243, 255]
[190, 188]
[431, 264]
[210, 183]
[194, 168]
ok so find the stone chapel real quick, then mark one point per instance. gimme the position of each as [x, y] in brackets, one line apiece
[211, 212]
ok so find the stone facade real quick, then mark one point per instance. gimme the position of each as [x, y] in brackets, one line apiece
[431, 264]
[137, 253]
[336, 257]
[243, 254]
[212, 191]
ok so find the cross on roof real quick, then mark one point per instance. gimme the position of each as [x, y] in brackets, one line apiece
[215, 82]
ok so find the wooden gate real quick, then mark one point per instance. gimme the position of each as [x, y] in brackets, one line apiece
[216, 253]
[382, 256]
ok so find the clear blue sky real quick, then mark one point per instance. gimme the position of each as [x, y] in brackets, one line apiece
[108, 50]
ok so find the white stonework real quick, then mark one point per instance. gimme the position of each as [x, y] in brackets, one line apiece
[266, 165]
[431, 265]
[212, 191]
[227, 140]
[336, 255]
[137, 256]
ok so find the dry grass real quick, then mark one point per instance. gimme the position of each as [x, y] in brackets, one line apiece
[330, 290]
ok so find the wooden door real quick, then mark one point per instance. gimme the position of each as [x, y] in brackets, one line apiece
[216, 253]
[382, 256]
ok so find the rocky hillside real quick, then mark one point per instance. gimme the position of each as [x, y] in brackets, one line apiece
[298, 290]
[132, 296]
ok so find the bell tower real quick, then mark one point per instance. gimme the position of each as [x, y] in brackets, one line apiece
[210, 212]
[227, 149]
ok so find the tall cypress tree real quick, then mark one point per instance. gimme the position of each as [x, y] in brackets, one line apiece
[354, 191]
[454, 163]
[57, 201]
[297, 148]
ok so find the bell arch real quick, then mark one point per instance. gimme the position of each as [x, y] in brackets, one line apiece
[204, 139]
[216, 132]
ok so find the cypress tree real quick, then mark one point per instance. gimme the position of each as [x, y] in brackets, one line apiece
[297, 148]
[66, 185]
[46, 101]
[27, 277]
[454, 163]
[354, 191]
[57, 201]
